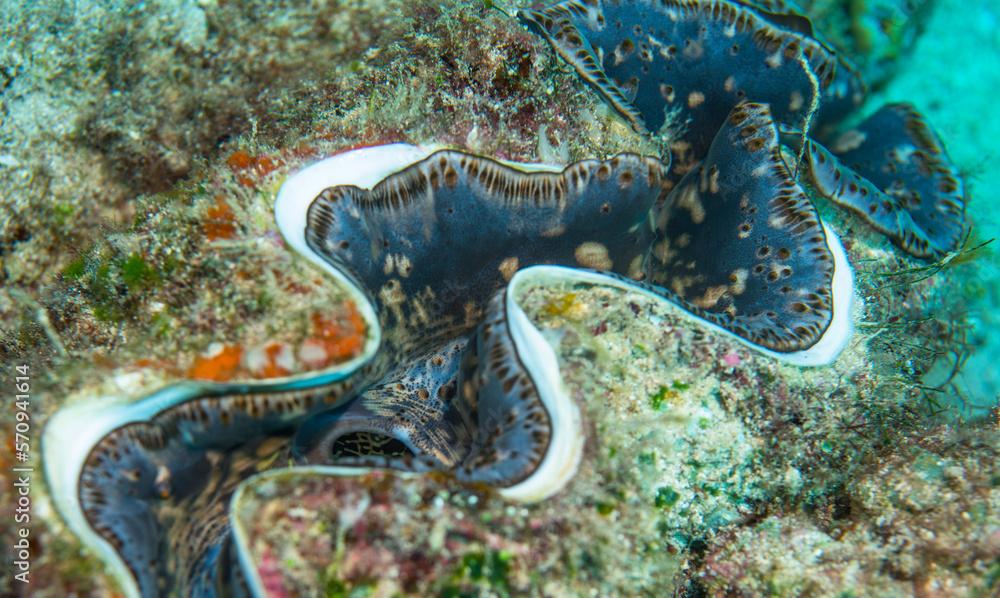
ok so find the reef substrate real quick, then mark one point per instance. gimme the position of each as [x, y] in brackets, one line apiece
[695, 444]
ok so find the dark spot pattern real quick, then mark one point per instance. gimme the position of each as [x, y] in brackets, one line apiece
[899, 178]
[453, 239]
[767, 62]
[408, 420]
[512, 425]
[894, 172]
[727, 272]
[158, 491]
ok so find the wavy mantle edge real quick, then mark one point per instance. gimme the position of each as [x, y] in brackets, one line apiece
[74, 430]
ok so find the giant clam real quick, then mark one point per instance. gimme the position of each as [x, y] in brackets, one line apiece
[434, 245]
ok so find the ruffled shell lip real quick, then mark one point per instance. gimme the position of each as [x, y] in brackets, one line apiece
[72, 433]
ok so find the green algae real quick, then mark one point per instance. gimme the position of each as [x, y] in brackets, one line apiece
[137, 274]
[666, 497]
[490, 569]
[111, 285]
[657, 401]
[334, 588]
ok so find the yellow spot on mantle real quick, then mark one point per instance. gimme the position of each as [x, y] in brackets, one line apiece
[591, 254]
[508, 267]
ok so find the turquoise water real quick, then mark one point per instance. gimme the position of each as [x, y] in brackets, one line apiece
[952, 74]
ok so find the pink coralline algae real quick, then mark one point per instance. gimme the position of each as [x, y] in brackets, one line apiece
[731, 359]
